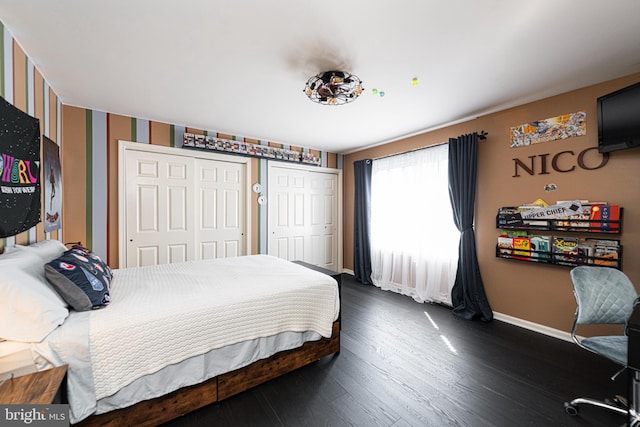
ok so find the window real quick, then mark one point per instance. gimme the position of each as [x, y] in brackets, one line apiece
[414, 241]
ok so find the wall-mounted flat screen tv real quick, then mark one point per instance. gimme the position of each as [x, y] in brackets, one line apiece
[619, 119]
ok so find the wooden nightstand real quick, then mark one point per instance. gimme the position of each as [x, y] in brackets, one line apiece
[39, 388]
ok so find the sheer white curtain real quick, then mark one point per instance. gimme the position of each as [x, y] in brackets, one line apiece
[414, 241]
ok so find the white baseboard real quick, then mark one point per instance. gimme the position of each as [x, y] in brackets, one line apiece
[346, 270]
[545, 330]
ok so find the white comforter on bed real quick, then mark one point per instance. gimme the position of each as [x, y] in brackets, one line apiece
[162, 315]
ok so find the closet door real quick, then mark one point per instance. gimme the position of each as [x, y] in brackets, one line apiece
[220, 207]
[323, 210]
[303, 211]
[180, 205]
[159, 222]
[289, 219]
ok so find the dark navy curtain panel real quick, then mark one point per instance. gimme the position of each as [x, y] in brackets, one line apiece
[362, 221]
[468, 296]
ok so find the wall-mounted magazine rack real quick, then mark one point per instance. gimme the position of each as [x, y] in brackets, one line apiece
[513, 221]
[520, 242]
[613, 259]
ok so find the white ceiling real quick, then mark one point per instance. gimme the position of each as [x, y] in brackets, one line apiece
[239, 66]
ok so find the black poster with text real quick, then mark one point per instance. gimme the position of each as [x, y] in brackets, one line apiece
[19, 170]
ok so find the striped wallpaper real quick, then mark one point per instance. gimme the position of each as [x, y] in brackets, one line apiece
[89, 155]
[22, 85]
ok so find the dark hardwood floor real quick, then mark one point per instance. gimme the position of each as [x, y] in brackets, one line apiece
[408, 364]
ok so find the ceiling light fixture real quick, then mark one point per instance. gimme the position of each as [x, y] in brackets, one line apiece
[333, 87]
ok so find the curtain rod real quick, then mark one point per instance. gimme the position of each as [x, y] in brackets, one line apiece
[482, 135]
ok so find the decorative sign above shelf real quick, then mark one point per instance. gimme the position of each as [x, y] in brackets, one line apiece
[248, 149]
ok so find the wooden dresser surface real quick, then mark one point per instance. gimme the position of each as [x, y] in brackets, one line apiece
[39, 388]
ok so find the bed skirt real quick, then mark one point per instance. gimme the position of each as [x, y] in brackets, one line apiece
[180, 402]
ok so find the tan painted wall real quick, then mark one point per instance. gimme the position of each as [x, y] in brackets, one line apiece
[537, 293]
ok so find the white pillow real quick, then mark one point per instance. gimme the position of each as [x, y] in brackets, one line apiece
[22, 259]
[47, 250]
[29, 308]
[8, 249]
[30, 261]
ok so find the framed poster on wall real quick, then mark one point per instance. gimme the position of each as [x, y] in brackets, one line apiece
[52, 179]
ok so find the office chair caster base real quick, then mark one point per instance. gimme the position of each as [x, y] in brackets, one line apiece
[571, 408]
[617, 401]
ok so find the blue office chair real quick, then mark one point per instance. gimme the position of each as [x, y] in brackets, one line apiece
[604, 295]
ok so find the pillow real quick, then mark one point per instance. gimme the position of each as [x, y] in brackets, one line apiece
[47, 250]
[81, 278]
[7, 249]
[29, 308]
[31, 262]
[23, 260]
[96, 260]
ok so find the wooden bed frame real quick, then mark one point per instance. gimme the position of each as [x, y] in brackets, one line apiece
[180, 402]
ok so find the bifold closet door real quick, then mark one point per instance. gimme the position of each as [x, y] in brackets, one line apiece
[288, 214]
[303, 215]
[181, 208]
[220, 207]
[159, 196]
[323, 199]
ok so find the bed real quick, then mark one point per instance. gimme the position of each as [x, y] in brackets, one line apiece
[160, 341]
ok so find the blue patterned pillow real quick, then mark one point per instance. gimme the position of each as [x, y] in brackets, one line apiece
[95, 260]
[81, 278]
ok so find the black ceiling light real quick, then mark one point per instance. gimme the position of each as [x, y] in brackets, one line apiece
[333, 88]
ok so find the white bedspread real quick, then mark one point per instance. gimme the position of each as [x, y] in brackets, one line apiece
[164, 314]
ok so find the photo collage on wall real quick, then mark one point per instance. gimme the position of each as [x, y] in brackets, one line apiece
[207, 142]
[551, 129]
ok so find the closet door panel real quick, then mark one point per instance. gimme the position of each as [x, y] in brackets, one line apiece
[158, 192]
[221, 208]
[180, 207]
[303, 215]
[324, 213]
[288, 225]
